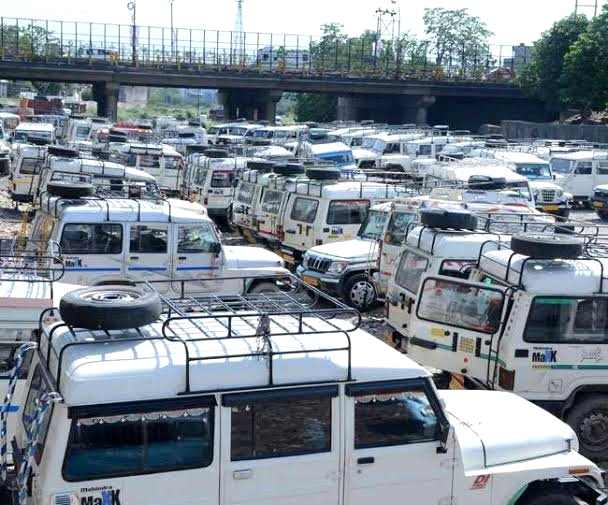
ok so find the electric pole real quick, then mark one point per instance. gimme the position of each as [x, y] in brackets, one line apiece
[133, 8]
[579, 6]
[240, 35]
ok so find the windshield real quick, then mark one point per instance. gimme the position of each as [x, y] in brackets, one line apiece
[30, 166]
[561, 166]
[379, 146]
[398, 227]
[222, 179]
[368, 143]
[534, 170]
[373, 226]
[172, 162]
[343, 158]
[82, 132]
[262, 134]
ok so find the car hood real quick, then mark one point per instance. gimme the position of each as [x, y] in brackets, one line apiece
[251, 257]
[544, 185]
[364, 154]
[495, 428]
[353, 250]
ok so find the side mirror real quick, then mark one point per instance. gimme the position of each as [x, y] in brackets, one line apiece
[235, 183]
[444, 434]
[216, 248]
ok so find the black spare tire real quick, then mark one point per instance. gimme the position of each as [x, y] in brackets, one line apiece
[217, 153]
[323, 174]
[263, 166]
[486, 183]
[288, 169]
[64, 152]
[547, 247]
[70, 189]
[110, 308]
[196, 148]
[448, 219]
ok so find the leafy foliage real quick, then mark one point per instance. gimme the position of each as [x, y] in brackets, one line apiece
[318, 107]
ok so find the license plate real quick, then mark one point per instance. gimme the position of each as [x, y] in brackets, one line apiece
[288, 258]
[313, 281]
[551, 208]
[598, 205]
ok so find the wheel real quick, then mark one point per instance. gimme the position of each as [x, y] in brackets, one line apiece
[70, 189]
[264, 287]
[115, 282]
[63, 152]
[444, 219]
[323, 174]
[110, 308]
[551, 496]
[288, 169]
[589, 419]
[360, 292]
[543, 247]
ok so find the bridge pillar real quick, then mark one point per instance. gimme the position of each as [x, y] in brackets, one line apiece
[106, 96]
[386, 109]
[254, 105]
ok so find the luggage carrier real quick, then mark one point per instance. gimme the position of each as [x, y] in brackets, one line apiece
[297, 309]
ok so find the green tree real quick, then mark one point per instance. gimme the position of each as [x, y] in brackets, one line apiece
[318, 107]
[29, 42]
[456, 38]
[542, 77]
[585, 73]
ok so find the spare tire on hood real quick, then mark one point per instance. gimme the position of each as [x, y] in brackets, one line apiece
[263, 166]
[196, 148]
[217, 153]
[66, 189]
[448, 219]
[547, 246]
[487, 183]
[288, 169]
[323, 174]
[64, 152]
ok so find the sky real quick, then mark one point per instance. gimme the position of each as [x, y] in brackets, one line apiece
[511, 21]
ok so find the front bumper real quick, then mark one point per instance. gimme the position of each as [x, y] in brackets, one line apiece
[329, 284]
[558, 208]
[600, 204]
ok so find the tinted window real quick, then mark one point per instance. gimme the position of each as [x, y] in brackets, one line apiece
[245, 193]
[91, 239]
[410, 270]
[602, 168]
[196, 239]
[148, 239]
[271, 201]
[304, 210]
[398, 227]
[347, 211]
[38, 388]
[222, 179]
[276, 428]
[139, 443]
[583, 168]
[30, 166]
[461, 305]
[395, 418]
[7, 360]
[573, 320]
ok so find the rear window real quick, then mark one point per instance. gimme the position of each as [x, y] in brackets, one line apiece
[304, 210]
[30, 166]
[271, 202]
[91, 239]
[38, 388]
[410, 270]
[347, 211]
[222, 179]
[398, 226]
[245, 193]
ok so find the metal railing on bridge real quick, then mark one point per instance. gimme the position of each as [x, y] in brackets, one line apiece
[95, 44]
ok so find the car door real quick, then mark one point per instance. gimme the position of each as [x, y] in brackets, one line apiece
[148, 257]
[92, 251]
[580, 182]
[301, 215]
[393, 450]
[282, 447]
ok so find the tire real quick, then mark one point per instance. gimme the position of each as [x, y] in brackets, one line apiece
[115, 282]
[359, 292]
[110, 308]
[196, 148]
[543, 247]
[70, 189]
[63, 152]
[552, 496]
[589, 419]
[217, 153]
[264, 287]
[323, 174]
[486, 183]
[261, 166]
[289, 169]
[448, 219]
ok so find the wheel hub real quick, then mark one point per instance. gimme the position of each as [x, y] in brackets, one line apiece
[362, 294]
[594, 429]
[112, 297]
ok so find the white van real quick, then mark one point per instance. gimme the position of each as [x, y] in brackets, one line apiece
[332, 152]
[283, 406]
[531, 319]
[79, 130]
[25, 132]
[25, 171]
[580, 172]
[106, 239]
[9, 121]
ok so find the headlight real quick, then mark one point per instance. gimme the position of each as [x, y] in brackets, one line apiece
[305, 260]
[337, 267]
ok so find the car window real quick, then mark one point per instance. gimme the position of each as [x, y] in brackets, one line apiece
[245, 193]
[602, 168]
[457, 268]
[196, 239]
[373, 226]
[148, 239]
[30, 166]
[91, 239]
[568, 320]
[410, 270]
[282, 427]
[461, 305]
[583, 168]
[223, 179]
[271, 201]
[347, 211]
[388, 418]
[137, 443]
[304, 209]
[398, 227]
[38, 388]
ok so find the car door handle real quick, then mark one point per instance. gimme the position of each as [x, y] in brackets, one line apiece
[366, 461]
[182, 258]
[134, 258]
[242, 474]
[292, 232]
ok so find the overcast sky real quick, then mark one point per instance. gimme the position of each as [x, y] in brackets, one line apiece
[512, 21]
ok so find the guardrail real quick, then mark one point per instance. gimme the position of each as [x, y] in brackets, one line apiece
[78, 43]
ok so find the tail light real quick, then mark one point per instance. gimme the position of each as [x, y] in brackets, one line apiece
[506, 379]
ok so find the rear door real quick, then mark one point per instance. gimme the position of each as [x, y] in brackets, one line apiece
[282, 447]
[92, 251]
[301, 215]
[392, 243]
[581, 181]
[341, 221]
[268, 214]
[148, 257]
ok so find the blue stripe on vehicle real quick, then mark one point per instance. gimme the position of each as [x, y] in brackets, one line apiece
[197, 268]
[149, 269]
[70, 269]
[12, 408]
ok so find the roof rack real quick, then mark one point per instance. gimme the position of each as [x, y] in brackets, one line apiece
[188, 319]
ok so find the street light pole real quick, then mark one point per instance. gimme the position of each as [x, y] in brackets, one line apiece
[172, 36]
[133, 8]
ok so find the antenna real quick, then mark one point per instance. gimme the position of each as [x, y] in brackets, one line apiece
[239, 48]
[578, 6]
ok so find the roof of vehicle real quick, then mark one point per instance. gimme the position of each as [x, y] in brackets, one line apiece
[9, 115]
[518, 157]
[329, 148]
[560, 277]
[97, 167]
[462, 171]
[582, 155]
[156, 369]
[97, 210]
[451, 243]
[396, 206]
[35, 127]
[31, 151]
[343, 190]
